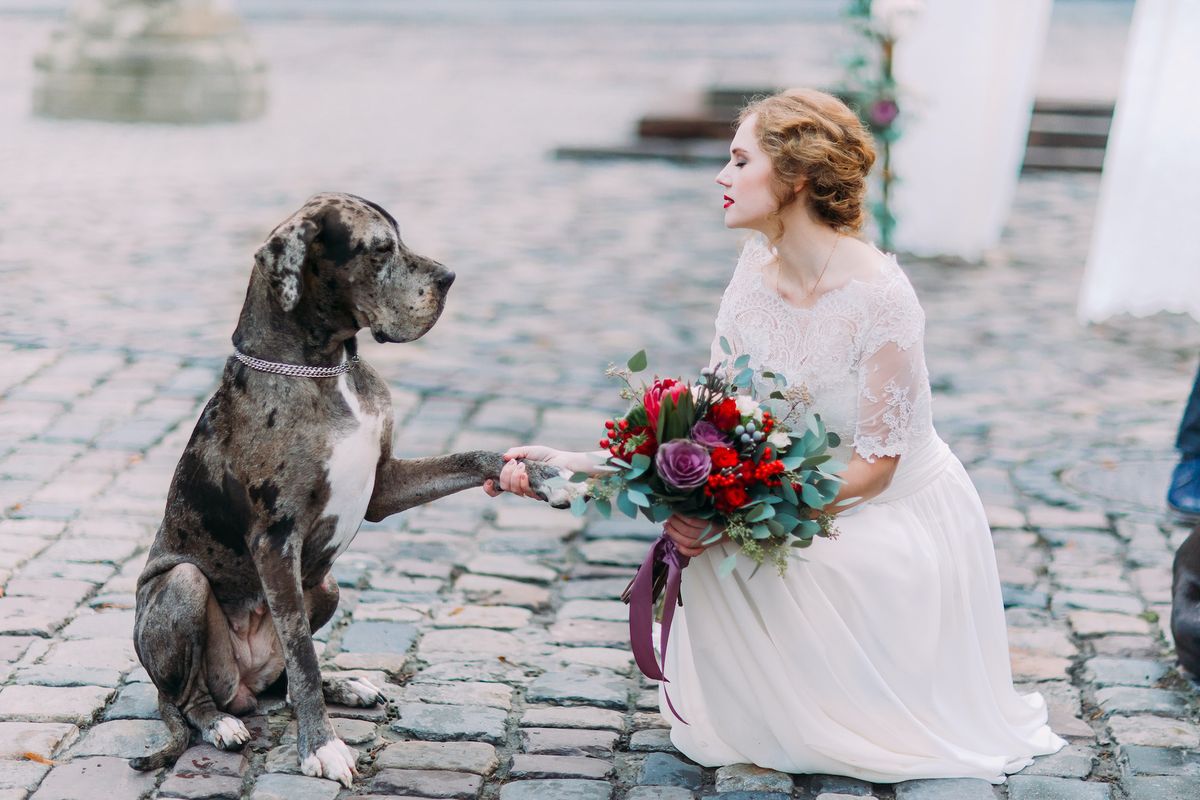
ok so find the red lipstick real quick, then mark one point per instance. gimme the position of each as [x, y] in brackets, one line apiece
[728, 201]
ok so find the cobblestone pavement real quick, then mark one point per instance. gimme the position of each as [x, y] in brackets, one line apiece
[493, 624]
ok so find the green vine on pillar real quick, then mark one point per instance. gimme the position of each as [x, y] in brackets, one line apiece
[872, 92]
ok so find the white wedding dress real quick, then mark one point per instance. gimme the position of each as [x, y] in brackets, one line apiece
[881, 654]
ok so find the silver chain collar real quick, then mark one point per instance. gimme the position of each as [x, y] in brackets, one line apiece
[295, 370]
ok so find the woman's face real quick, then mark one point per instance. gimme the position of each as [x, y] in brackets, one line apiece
[749, 182]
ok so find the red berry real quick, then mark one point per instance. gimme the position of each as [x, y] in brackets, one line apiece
[604, 443]
[623, 424]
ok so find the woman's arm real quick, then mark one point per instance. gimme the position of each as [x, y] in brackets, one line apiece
[514, 478]
[863, 480]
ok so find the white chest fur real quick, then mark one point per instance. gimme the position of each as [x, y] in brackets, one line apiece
[351, 468]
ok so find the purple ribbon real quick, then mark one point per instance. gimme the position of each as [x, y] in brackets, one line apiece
[641, 611]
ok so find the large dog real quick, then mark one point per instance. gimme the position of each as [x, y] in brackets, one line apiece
[1185, 603]
[288, 457]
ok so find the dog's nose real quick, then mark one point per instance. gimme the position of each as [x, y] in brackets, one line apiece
[445, 279]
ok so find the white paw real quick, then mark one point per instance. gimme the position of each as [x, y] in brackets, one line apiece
[363, 692]
[333, 760]
[227, 733]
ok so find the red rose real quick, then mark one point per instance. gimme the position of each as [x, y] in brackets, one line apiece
[724, 457]
[725, 414]
[731, 498]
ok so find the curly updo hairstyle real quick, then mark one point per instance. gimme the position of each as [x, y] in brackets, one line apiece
[814, 137]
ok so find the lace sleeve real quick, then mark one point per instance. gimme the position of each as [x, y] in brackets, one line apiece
[893, 384]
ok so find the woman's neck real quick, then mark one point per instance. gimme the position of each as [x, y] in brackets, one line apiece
[805, 250]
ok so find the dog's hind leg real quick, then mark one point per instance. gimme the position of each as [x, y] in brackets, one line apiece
[182, 639]
[321, 601]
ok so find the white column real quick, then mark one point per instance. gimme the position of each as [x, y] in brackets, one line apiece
[966, 71]
[1144, 257]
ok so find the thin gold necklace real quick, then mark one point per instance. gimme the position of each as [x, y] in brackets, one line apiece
[809, 293]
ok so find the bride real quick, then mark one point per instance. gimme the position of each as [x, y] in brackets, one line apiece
[882, 655]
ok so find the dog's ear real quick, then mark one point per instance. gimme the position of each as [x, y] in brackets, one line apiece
[282, 255]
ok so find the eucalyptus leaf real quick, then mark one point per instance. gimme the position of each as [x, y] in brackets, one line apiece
[801, 543]
[807, 529]
[775, 528]
[626, 506]
[578, 506]
[637, 498]
[760, 531]
[603, 507]
[660, 512]
[777, 395]
[811, 496]
[725, 346]
[638, 362]
[742, 361]
[727, 566]
[833, 439]
[759, 514]
[579, 477]
[787, 492]
[786, 521]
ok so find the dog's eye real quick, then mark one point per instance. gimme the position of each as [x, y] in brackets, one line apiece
[386, 247]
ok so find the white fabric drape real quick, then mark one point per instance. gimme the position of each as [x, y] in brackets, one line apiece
[966, 72]
[1143, 258]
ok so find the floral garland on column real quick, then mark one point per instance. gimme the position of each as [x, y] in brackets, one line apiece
[872, 91]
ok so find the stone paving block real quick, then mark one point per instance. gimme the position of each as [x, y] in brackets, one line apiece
[749, 778]
[608, 610]
[276, 786]
[515, 567]
[660, 793]
[392, 663]
[476, 642]
[1073, 761]
[1131, 700]
[406, 584]
[114, 551]
[127, 738]
[21, 776]
[1163, 788]
[427, 783]
[41, 567]
[204, 759]
[839, 785]
[1126, 646]
[52, 704]
[595, 588]
[589, 633]
[106, 625]
[618, 552]
[497, 617]
[201, 787]
[378, 637]
[1027, 666]
[1096, 601]
[537, 516]
[62, 590]
[546, 766]
[1042, 641]
[1099, 623]
[446, 723]
[556, 790]
[489, 590]
[45, 739]
[1037, 787]
[460, 693]
[581, 688]
[752, 796]
[66, 675]
[1041, 516]
[945, 789]
[491, 670]
[568, 742]
[1154, 731]
[573, 717]
[477, 757]
[1141, 760]
[13, 647]
[648, 741]
[134, 701]
[33, 616]
[79, 779]
[111, 654]
[662, 769]
[829, 796]
[1107, 671]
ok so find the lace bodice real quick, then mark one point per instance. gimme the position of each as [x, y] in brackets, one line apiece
[856, 357]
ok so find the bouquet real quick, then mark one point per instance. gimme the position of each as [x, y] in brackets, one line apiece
[711, 450]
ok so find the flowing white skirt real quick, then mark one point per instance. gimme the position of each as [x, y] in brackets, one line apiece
[883, 655]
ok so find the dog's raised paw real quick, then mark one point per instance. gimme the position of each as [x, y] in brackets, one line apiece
[351, 692]
[226, 733]
[333, 760]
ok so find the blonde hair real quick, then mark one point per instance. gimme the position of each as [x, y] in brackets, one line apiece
[815, 137]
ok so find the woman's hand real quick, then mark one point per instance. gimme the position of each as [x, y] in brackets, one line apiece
[514, 478]
[689, 534]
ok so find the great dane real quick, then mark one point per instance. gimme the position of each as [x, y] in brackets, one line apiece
[286, 460]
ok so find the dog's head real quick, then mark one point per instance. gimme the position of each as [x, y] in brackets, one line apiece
[342, 257]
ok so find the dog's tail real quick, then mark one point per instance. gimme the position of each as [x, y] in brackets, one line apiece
[178, 736]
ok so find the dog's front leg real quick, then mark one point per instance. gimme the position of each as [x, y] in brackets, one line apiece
[403, 483]
[321, 753]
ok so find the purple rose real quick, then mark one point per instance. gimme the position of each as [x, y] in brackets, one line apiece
[709, 435]
[683, 464]
[883, 113]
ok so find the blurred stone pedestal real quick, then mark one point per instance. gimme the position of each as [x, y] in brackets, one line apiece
[181, 61]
